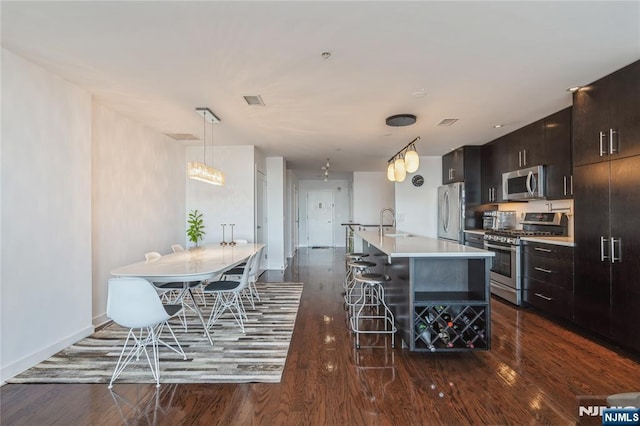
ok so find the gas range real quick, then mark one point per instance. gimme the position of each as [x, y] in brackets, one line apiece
[533, 225]
[506, 276]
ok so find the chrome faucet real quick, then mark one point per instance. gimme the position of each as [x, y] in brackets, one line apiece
[393, 215]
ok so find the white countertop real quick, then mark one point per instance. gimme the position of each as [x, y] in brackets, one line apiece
[561, 241]
[416, 246]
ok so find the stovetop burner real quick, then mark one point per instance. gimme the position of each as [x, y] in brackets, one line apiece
[519, 233]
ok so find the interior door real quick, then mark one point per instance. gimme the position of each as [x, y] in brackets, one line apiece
[320, 212]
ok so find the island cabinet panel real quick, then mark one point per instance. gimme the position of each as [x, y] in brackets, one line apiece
[451, 309]
[438, 291]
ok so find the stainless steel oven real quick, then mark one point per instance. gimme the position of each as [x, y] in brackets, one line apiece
[505, 270]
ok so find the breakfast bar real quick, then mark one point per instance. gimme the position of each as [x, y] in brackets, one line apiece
[438, 290]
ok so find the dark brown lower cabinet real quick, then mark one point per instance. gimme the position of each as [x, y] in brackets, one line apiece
[548, 278]
[607, 251]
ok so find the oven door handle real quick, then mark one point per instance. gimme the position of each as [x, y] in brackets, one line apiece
[487, 245]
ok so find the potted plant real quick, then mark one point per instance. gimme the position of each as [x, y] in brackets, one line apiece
[196, 227]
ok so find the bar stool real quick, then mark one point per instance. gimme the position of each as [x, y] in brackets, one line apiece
[373, 300]
[351, 257]
[352, 290]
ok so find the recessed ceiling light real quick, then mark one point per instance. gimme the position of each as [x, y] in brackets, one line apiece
[326, 55]
[497, 126]
[574, 89]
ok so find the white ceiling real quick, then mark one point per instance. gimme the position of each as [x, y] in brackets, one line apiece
[481, 62]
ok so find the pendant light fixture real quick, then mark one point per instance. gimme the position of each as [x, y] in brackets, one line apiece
[200, 171]
[406, 160]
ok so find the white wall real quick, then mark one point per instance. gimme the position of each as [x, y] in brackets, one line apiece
[231, 203]
[139, 179]
[417, 207]
[46, 214]
[341, 198]
[291, 207]
[372, 192]
[276, 169]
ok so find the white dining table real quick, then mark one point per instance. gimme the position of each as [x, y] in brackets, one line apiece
[196, 264]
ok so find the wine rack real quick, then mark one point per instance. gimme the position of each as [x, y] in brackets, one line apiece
[451, 327]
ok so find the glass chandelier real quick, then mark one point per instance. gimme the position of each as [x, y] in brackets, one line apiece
[200, 171]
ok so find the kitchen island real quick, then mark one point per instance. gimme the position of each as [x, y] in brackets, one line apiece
[438, 292]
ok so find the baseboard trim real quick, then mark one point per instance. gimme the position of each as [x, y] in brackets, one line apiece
[17, 367]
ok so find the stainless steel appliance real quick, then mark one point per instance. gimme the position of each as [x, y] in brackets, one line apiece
[506, 274]
[451, 212]
[524, 184]
[496, 219]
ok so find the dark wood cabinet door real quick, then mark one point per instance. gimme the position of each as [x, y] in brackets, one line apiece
[590, 119]
[534, 152]
[515, 145]
[624, 111]
[592, 281]
[493, 162]
[625, 270]
[453, 166]
[557, 131]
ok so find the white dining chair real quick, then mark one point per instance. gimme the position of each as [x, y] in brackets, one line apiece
[133, 303]
[228, 296]
[176, 248]
[251, 291]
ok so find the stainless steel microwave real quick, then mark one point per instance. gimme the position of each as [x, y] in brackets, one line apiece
[524, 184]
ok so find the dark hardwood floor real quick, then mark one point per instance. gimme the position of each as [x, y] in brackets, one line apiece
[537, 372]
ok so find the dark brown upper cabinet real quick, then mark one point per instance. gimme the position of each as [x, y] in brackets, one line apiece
[606, 117]
[527, 146]
[494, 162]
[557, 136]
[461, 164]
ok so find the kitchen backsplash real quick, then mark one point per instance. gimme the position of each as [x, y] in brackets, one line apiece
[561, 206]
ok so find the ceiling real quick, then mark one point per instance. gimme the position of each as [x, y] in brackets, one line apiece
[484, 63]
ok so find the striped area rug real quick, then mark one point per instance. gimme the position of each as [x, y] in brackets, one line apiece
[258, 355]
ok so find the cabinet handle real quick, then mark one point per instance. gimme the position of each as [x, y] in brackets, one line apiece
[602, 243]
[564, 184]
[543, 297]
[546, 271]
[615, 241]
[524, 157]
[452, 173]
[542, 249]
[612, 149]
[519, 158]
[602, 151]
[571, 183]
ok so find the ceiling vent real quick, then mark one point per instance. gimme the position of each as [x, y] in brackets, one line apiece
[182, 136]
[447, 122]
[254, 100]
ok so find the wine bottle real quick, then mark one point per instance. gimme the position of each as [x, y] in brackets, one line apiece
[423, 333]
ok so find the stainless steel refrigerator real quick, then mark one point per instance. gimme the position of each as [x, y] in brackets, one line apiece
[451, 205]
